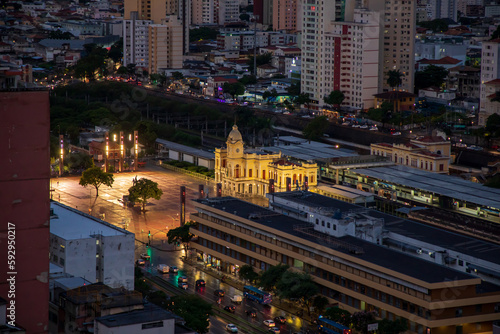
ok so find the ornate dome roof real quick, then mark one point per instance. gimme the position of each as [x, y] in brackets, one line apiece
[234, 135]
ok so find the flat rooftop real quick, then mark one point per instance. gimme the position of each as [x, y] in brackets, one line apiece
[70, 224]
[305, 150]
[150, 313]
[429, 234]
[186, 149]
[399, 262]
[445, 185]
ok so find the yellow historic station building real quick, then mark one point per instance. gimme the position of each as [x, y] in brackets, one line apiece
[251, 172]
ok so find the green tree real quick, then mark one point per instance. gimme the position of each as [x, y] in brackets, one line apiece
[269, 278]
[262, 59]
[303, 99]
[335, 98]
[202, 33]
[93, 63]
[234, 89]
[245, 17]
[431, 75]
[158, 298]
[394, 80]
[493, 122]
[96, 177]
[122, 70]
[193, 309]
[177, 75]
[58, 34]
[247, 273]
[437, 25]
[336, 314]
[79, 160]
[361, 320]
[182, 235]
[316, 128]
[294, 89]
[386, 326]
[248, 80]
[319, 303]
[297, 285]
[116, 51]
[142, 190]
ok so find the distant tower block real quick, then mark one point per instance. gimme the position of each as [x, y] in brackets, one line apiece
[219, 189]
[288, 184]
[201, 191]
[183, 205]
[271, 186]
[306, 183]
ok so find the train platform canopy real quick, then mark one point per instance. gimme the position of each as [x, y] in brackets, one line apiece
[304, 150]
[444, 185]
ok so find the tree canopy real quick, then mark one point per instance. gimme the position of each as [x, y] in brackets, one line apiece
[202, 33]
[181, 234]
[394, 78]
[58, 34]
[234, 89]
[142, 190]
[193, 309]
[269, 278]
[336, 314]
[298, 286]
[335, 98]
[316, 128]
[437, 25]
[96, 177]
[431, 75]
[262, 59]
[247, 273]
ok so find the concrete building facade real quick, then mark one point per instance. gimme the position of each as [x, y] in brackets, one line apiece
[490, 72]
[357, 274]
[25, 207]
[91, 248]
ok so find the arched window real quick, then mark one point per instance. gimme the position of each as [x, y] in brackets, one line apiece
[237, 171]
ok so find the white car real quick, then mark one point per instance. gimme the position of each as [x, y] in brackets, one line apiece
[269, 323]
[231, 328]
[174, 269]
[145, 256]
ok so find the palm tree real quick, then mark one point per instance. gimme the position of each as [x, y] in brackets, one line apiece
[394, 80]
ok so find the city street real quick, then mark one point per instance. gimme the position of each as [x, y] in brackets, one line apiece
[160, 216]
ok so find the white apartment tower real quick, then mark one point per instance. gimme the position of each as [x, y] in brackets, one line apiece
[202, 12]
[165, 45]
[490, 70]
[136, 41]
[229, 11]
[352, 58]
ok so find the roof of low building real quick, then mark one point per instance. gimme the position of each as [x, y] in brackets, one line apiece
[392, 95]
[443, 61]
[150, 313]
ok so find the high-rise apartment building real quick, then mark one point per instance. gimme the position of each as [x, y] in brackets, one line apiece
[202, 12]
[352, 56]
[229, 11]
[285, 15]
[490, 70]
[139, 15]
[165, 45]
[358, 49]
[442, 9]
[399, 40]
[25, 207]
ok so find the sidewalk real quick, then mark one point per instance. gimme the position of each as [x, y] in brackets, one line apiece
[237, 283]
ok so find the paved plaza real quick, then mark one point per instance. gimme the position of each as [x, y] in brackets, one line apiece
[160, 215]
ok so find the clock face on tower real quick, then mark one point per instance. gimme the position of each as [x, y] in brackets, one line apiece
[237, 150]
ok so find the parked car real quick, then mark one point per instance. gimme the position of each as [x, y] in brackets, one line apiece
[231, 328]
[280, 319]
[145, 256]
[251, 313]
[230, 309]
[141, 262]
[237, 299]
[200, 283]
[269, 323]
[182, 279]
[219, 293]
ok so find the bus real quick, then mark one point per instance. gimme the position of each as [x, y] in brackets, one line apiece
[331, 327]
[257, 295]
